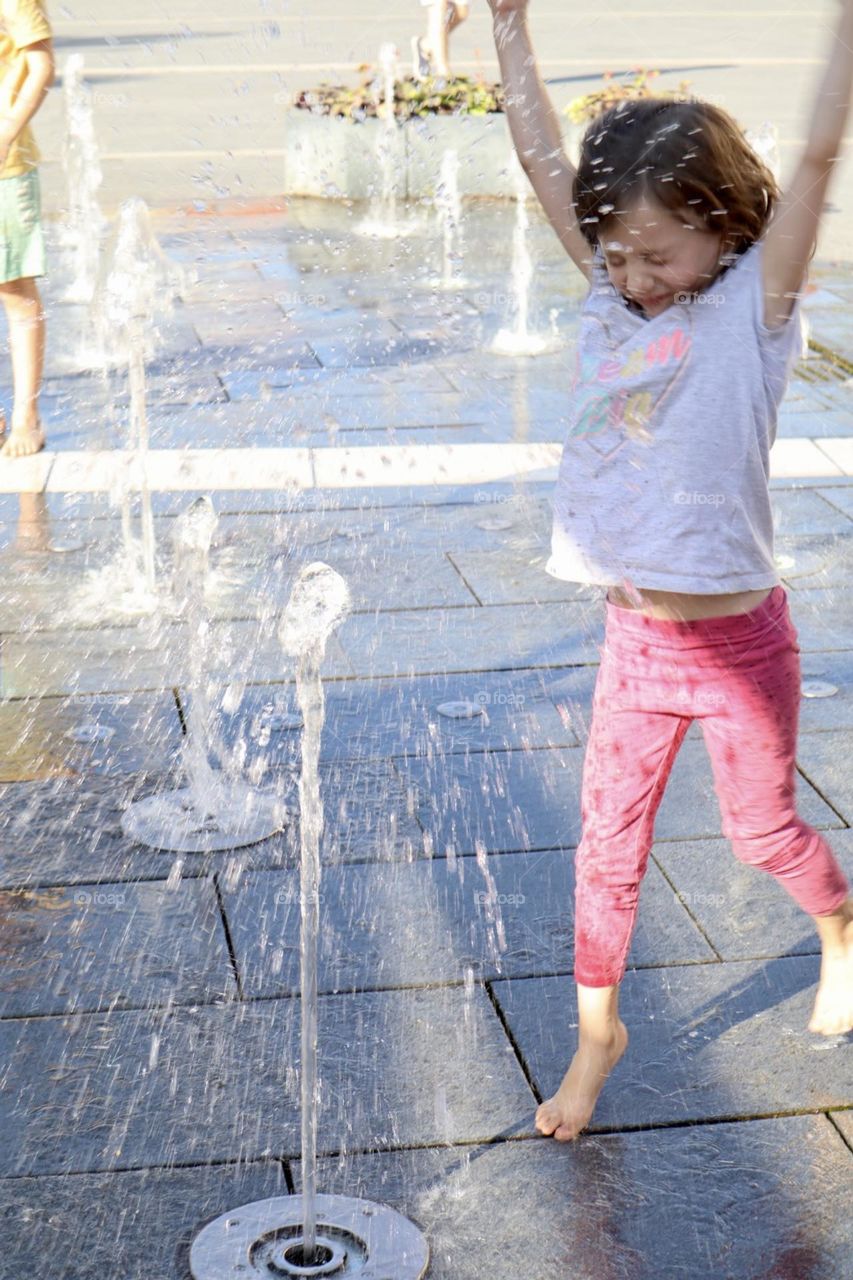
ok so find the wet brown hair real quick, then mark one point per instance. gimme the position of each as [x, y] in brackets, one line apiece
[690, 156]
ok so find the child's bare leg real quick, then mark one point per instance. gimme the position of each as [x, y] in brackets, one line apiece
[26, 344]
[435, 43]
[602, 1039]
[456, 13]
[444, 17]
[833, 1007]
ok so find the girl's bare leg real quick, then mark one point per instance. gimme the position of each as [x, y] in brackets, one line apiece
[25, 317]
[833, 1007]
[602, 1039]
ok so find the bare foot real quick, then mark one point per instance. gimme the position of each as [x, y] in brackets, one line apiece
[571, 1107]
[833, 1007]
[22, 441]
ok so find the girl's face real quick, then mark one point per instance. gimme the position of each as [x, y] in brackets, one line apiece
[653, 255]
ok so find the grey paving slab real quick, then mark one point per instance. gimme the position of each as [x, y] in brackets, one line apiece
[397, 1067]
[68, 830]
[381, 718]
[502, 801]
[283, 382]
[824, 759]
[118, 659]
[108, 733]
[404, 410]
[798, 511]
[709, 1041]
[747, 1200]
[841, 498]
[138, 1224]
[516, 576]
[746, 914]
[431, 922]
[492, 517]
[571, 690]
[368, 816]
[844, 1121]
[515, 800]
[346, 351]
[376, 579]
[108, 946]
[835, 710]
[227, 425]
[829, 423]
[494, 638]
[823, 618]
[815, 561]
[805, 394]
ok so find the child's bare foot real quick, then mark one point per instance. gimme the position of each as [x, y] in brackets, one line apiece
[833, 1007]
[571, 1107]
[22, 440]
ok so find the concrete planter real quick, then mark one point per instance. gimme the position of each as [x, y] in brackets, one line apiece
[329, 156]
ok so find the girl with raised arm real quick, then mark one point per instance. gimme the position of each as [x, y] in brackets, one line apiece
[695, 262]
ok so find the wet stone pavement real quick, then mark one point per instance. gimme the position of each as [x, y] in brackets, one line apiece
[149, 1008]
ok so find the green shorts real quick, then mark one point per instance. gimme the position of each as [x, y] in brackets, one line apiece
[21, 238]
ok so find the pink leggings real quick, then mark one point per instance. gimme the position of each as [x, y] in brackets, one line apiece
[739, 676]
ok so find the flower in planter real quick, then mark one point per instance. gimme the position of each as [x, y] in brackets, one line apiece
[435, 95]
[590, 105]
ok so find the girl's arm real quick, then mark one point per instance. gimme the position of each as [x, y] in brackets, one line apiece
[790, 239]
[535, 128]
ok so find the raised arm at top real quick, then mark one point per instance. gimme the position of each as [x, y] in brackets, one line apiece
[791, 236]
[535, 128]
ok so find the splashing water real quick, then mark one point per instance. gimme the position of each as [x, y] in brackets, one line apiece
[517, 340]
[213, 811]
[85, 223]
[383, 220]
[141, 287]
[450, 217]
[319, 602]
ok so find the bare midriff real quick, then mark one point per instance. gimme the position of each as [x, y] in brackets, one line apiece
[675, 606]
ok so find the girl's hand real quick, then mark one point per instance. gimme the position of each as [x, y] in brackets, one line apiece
[501, 7]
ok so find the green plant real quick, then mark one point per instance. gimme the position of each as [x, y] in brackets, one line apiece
[436, 95]
[590, 105]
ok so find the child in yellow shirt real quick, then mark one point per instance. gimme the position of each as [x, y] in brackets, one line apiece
[26, 71]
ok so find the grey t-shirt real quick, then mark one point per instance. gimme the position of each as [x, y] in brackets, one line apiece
[663, 481]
